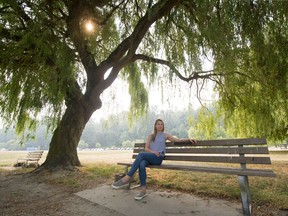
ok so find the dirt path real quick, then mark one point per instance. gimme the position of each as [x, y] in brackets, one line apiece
[26, 195]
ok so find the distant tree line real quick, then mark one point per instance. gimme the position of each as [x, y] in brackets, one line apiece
[118, 132]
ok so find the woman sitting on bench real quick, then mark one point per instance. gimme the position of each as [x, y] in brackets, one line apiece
[154, 153]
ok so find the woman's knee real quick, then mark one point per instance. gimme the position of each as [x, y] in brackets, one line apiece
[140, 155]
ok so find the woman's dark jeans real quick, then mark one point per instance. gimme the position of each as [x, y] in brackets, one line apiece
[144, 159]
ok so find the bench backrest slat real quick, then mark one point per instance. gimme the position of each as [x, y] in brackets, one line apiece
[35, 154]
[230, 142]
[218, 159]
[227, 142]
[224, 150]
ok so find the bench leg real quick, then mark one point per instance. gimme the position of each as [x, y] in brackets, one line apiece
[126, 170]
[245, 195]
[25, 164]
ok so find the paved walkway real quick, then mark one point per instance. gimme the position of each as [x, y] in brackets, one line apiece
[159, 203]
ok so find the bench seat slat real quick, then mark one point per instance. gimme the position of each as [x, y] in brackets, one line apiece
[221, 170]
[230, 171]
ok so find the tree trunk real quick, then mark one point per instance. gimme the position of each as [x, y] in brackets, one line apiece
[62, 152]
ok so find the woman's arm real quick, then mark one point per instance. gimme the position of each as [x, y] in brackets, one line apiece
[175, 139]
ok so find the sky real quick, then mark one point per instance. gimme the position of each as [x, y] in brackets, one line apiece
[177, 96]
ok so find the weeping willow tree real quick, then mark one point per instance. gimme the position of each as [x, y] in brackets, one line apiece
[57, 58]
[254, 95]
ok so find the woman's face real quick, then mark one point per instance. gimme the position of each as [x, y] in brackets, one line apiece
[159, 126]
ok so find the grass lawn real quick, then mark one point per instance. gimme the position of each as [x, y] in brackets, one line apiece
[266, 192]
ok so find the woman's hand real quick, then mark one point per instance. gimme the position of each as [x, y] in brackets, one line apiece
[193, 141]
[157, 153]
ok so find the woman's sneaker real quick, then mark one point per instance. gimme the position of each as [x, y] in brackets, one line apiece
[120, 184]
[140, 196]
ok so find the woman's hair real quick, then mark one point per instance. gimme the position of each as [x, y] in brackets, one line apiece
[153, 135]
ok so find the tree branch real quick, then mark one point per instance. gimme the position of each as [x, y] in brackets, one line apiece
[124, 53]
[193, 76]
[114, 8]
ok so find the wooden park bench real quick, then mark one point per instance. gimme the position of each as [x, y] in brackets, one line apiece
[32, 157]
[283, 146]
[216, 156]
